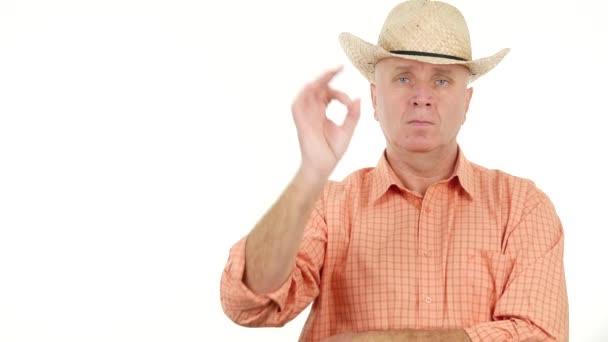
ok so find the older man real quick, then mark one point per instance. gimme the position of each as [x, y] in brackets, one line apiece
[426, 246]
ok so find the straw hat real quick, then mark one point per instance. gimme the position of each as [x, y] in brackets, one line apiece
[421, 30]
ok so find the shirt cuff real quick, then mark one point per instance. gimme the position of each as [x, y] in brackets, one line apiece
[491, 331]
[239, 297]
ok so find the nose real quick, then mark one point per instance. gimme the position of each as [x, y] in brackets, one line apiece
[423, 96]
[422, 102]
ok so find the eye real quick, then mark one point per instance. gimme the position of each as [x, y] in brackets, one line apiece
[403, 80]
[441, 82]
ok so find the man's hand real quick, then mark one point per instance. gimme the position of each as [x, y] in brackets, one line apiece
[322, 142]
[272, 246]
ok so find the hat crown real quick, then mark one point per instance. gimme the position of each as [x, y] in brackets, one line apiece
[428, 27]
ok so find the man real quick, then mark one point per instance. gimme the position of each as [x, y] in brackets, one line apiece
[426, 246]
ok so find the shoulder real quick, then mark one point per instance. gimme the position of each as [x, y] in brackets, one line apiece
[516, 188]
[517, 199]
[528, 216]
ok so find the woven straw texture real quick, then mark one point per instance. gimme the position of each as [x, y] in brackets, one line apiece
[422, 26]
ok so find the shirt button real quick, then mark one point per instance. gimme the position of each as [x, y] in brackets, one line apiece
[427, 210]
[428, 299]
[426, 253]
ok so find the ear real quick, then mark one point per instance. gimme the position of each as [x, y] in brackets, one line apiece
[469, 95]
[372, 89]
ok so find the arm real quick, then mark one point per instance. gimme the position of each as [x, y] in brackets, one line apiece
[403, 335]
[273, 244]
[274, 273]
[534, 303]
[277, 307]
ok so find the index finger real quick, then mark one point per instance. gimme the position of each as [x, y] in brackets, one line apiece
[324, 79]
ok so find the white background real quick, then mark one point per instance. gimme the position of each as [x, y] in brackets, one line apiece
[140, 139]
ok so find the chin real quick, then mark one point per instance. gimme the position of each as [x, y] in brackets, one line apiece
[419, 147]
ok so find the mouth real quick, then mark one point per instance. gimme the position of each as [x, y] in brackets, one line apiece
[420, 123]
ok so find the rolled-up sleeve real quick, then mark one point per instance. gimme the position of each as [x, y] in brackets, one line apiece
[534, 304]
[276, 308]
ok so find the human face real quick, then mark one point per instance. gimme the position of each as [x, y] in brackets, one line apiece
[420, 106]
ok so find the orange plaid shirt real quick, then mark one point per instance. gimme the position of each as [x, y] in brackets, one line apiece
[481, 251]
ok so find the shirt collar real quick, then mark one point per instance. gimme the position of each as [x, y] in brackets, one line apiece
[383, 176]
[464, 172]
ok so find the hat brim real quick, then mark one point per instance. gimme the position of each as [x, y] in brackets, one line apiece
[364, 56]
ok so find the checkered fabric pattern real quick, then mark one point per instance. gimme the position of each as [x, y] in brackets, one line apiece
[481, 251]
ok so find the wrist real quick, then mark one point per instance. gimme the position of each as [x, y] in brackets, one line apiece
[309, 178]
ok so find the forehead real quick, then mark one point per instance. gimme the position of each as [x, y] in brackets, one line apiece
[395, 64]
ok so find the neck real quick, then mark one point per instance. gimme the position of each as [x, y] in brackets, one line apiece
[419, 170]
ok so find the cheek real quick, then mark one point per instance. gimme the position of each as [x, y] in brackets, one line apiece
[381, 107]
[457, 110]
[462, 111]
[391, 101]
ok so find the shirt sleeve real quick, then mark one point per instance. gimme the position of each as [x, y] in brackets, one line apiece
[247, 308]
[534, 304]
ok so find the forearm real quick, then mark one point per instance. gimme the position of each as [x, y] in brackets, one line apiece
[407, 336]
[273, 244]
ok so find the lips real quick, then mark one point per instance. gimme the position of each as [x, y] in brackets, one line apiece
[420, 123]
